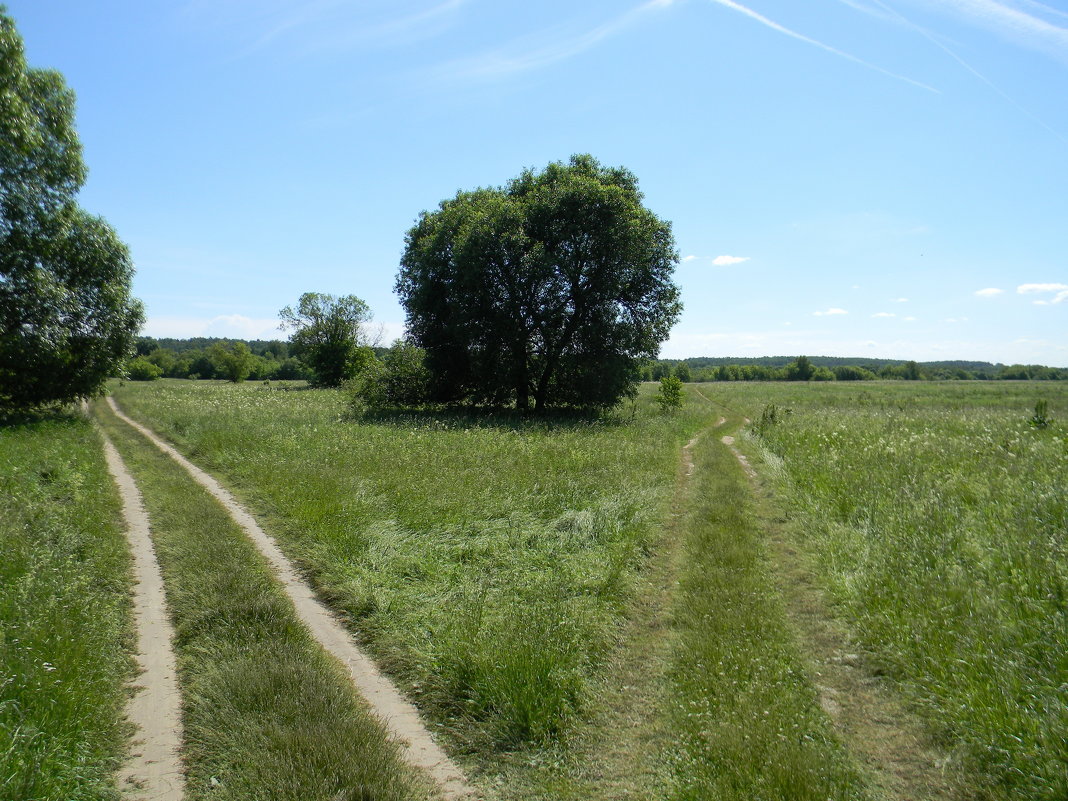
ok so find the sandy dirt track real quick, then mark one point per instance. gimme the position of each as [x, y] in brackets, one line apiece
[153, 770]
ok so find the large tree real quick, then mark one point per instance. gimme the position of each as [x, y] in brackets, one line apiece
[329, 335]
[67, 320]
[550, 291]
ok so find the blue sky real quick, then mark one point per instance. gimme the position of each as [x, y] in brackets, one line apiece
[884, 178]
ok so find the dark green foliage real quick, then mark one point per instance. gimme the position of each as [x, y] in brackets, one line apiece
[141, 369]
[801, 370]
[329, 335]
[67, 320]
[850, 372]
[550, 291]
[682, 372]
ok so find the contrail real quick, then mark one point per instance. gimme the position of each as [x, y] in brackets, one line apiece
[801, 37]
[949, 52]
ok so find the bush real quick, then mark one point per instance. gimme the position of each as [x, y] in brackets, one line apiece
[141, 369]
[400, 379]
[670, 395]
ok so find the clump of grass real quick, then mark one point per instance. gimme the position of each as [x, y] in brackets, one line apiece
[1040, 419]
[64, 625]
[266, 713]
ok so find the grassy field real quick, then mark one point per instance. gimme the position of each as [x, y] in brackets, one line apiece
[497, 567]
[64, 614]
[938, 517]
[486, 562]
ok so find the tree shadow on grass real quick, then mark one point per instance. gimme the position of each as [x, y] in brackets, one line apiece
[507, 418]
[12, 419]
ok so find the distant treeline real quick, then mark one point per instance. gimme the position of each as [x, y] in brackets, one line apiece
[210, 357]
[834, 368]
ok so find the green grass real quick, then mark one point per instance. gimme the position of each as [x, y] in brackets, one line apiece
[939, 517]
[742, 707]
[487, 561]
[267, 715]
[64, 614]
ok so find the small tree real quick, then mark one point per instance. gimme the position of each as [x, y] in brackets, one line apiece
[234, 363]
[669, 395]
[682, 372]
[329, 335]
[800, 370]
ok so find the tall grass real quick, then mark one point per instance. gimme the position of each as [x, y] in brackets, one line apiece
[940, 518]
[486, 561]
[64, 626]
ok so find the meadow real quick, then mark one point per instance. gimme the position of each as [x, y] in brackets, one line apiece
[485, 561]
[64, 613]
[539, 585]
[937, 516]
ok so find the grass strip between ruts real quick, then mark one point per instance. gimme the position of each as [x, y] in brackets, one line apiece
[744, 711]
[267, 714]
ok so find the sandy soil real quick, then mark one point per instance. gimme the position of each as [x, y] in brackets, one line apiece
[153, 771]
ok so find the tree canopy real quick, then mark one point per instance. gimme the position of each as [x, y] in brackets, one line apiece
[67, 320]
[329, 335]
[550, 291]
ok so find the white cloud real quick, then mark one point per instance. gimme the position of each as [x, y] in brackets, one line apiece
[909, 319]
[1060, 290]
[1026, 289]
[956, 319]
[689, 258]
[989, 292]
[830, 312]
[235, 326]
[899, 300]
[726, 261]
[884, 314]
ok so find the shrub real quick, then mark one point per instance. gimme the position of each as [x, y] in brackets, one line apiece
[670, 395]
[141, 369]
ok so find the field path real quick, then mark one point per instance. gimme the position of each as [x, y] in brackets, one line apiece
[900, 759]
[153, 770]
[398, 715]
[622, 751]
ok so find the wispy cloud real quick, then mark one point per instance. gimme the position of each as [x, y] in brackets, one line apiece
[900, 300]
[525, 56]
[1059, 291]
[1030, 24]
[884, 11]
[726, 261]
[317, 26]
[775, 26]
[884, 314]
[832, 312]
[989, 292]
